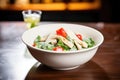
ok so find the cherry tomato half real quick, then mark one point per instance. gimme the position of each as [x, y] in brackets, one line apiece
[79, 36]
[61, 32]
[58, 48]
[34, 45]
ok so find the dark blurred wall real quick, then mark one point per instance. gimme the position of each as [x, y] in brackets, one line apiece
[83, 16]
[110, 11]
[115, 10]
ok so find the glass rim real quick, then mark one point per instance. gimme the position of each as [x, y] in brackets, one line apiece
[29, 11]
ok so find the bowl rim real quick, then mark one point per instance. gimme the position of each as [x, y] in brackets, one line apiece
[64, 52]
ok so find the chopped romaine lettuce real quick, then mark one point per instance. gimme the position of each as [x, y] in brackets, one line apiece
[90, 42]
[37, 39]
[42, 45]
[74, 48]
[60, 43]
[47, 46]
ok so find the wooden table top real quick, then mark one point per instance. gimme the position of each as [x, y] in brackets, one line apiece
[16, 64]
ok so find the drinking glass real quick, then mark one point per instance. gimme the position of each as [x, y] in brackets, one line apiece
[31, 17]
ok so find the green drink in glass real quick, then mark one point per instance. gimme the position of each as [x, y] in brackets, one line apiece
[32, 17]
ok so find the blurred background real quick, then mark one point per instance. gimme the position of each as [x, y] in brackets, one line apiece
[63, 10]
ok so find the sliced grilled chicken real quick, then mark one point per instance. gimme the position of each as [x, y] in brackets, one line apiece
[74, 37]
[53, 41]
[44, 38]
[65, 41]
[51, 37]
[78, 45]
[82, 43]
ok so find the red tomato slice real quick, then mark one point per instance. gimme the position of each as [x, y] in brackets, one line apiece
[79, 36]
[61, 32]
[34, 45]
[58, 48]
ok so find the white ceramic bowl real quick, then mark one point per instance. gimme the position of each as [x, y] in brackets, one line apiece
[62, 60]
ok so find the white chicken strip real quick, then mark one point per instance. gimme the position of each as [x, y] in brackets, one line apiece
[82, 43]
[74, 37]
[51, 38]
[43, 39]
[65, 41]
[78, 45]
